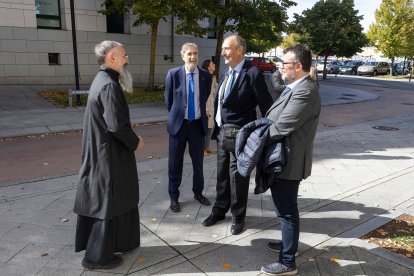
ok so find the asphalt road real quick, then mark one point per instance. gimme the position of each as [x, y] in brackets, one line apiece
[44, 156]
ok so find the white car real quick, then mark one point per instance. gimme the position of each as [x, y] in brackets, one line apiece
[332, 66]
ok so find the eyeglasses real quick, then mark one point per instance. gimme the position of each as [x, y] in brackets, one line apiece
[293, 62]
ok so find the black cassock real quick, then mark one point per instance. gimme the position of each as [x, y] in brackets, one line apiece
[108, 193]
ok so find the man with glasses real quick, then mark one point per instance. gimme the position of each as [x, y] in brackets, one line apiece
[239, 92]
[295, 115]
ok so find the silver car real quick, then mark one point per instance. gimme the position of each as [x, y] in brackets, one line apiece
[332, 66]
[374, 68]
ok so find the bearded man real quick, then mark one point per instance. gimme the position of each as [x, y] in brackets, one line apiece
[186, 91]
[107, 196]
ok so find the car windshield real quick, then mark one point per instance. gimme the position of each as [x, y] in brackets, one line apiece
[371, 63]
[350, 63]
[248, 59]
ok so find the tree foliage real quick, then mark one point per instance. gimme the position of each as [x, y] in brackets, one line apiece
[147, 12]
[331, 27]
[393, 30]
[260, 22]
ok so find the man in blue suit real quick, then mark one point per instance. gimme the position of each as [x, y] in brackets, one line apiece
[186, 91]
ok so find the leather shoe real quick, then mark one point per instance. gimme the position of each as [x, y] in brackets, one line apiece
[237, 225]
[212, 219]
[202, 199]
[175, 206]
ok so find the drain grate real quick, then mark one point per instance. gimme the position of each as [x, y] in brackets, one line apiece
[407, 103]
[387, 128]
[349, 95]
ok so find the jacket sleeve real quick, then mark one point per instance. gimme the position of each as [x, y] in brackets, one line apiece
[116, 116]
[168, 93]
[261, 93]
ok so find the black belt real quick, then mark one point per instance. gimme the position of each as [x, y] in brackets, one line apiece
[189, 122]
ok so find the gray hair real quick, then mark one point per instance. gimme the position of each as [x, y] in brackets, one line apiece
[103, 48]
[187, 45]
[240, 42]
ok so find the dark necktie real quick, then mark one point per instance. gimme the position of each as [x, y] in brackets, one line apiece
[230, 86]
[286, 91]
[191, 109]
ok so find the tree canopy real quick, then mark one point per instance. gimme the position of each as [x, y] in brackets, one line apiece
[331, 27]
[393, 30]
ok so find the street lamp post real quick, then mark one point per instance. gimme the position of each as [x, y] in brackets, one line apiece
[75, 50]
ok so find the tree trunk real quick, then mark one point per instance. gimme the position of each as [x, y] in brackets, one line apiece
[325, 59]
[220, 39]
[154, 33]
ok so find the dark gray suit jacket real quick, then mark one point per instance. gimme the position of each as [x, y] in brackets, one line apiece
[296, 115]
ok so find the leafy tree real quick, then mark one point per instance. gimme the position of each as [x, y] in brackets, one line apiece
[290, 40]
[393, 30]
[147, 12]
[260, 22]
[331, 27]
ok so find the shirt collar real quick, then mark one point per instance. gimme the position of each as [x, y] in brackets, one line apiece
[188, 72]
[238, 67]
[293, 84]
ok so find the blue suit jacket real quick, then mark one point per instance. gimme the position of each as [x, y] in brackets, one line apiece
[176, 97]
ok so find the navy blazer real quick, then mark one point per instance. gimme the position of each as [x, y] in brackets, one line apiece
[176, 97]
[249, 90]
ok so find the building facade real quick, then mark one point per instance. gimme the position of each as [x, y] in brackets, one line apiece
[36, 45]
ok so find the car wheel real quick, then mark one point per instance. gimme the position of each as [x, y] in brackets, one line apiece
[331, 71]
[388, 72]
[374, 73]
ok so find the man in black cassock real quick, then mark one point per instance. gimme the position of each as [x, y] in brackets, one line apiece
[107, 196]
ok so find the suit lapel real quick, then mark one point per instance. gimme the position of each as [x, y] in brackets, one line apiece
[182, 80]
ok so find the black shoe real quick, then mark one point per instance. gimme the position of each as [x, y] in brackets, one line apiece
[237, 225]
[202, 199]
[115, 262]
[212, 219]
[279, 269]
[276, 247]
[175, 206]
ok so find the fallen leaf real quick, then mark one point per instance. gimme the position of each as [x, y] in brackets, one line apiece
[188, 216]
[150, 157]
[153, 219]
[45, 164]
[311, 259]
[44, 254]
[141, 260]
[65, 220]
[334, 260]
[215, 236]
[226, 266]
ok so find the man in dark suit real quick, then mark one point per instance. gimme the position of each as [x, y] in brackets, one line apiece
[240, 91]
[186, 91]
[295, 114]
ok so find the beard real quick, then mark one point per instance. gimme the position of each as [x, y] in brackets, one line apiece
[288, 78]
[125, 80]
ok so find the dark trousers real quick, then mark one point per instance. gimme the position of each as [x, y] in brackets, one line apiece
[102, 238]
[285, 198]
[191, 132]
[232, 188]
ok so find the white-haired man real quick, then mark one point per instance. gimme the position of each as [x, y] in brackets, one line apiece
[107, 196]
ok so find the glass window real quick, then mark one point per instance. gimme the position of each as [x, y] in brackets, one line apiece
[212, 23]
[48, 14]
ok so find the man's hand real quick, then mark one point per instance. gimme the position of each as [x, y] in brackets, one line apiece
[141, 142]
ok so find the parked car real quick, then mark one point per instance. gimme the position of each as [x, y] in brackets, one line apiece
[332, 66]
[264, 64]
[277, 60]
[350, 67]
[374, 68]
[401, 69]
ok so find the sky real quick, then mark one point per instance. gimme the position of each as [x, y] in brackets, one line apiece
[365, 7]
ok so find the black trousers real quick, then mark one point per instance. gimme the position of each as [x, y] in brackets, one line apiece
[193, 134]
[102, 238]
[232, 188]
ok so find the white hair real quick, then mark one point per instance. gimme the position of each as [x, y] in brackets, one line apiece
[103, 48]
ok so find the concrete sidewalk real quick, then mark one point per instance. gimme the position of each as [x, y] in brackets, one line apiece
[23, 112]
[362, 177]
